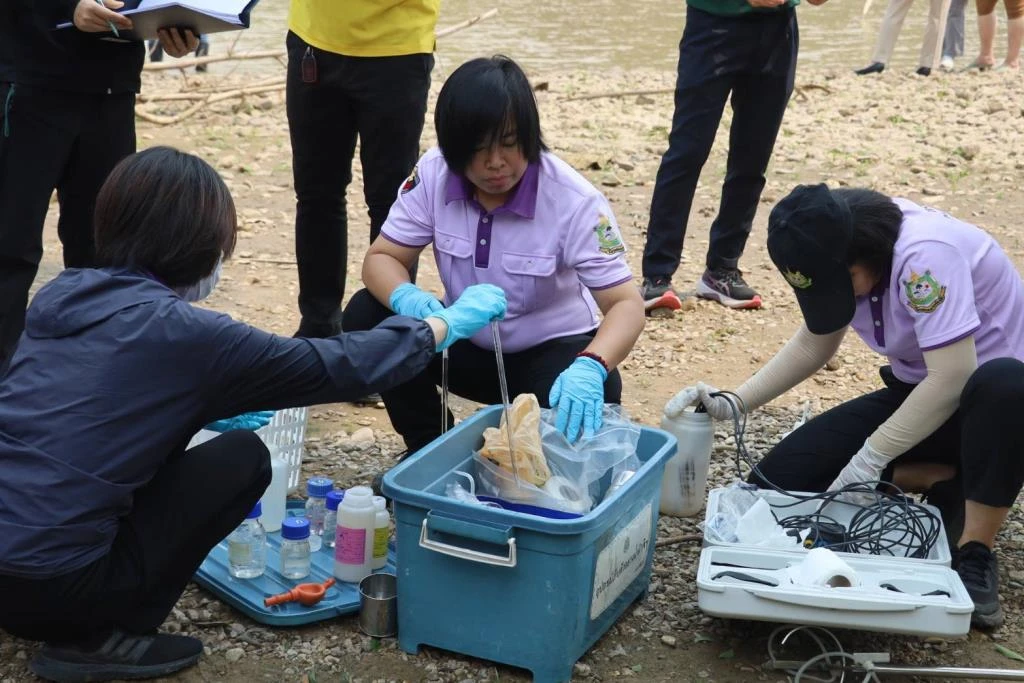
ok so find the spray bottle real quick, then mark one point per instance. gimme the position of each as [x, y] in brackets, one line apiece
[684, 484]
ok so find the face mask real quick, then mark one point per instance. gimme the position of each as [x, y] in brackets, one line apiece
[203, 288]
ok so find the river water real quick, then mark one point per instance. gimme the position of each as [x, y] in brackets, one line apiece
[549, 35]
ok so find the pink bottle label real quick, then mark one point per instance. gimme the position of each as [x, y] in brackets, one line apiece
[351, 545]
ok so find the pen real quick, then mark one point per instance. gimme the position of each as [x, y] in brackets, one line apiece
[109, 23]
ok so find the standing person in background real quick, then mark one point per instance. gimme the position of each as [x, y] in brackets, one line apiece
[746, 49]
[895, 13]
[356, 70]
[67, 116]
[953, 43]
[987, 33]
[156, 51]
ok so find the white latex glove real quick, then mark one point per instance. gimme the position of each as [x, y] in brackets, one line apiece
[681, 401]
[718, 407]
[865, 466]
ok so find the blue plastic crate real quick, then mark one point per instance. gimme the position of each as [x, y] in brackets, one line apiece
[511, 587]
[246, 595]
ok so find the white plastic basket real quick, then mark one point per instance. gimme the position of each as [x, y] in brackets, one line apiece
[285, 436]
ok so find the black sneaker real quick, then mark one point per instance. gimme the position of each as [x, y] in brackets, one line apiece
[872, 68]
[659, 296]
[948, 497]
[923, 71]
[979, 571]
[727, 287]
[118, 655]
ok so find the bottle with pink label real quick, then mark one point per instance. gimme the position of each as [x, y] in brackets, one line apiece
[353, 547]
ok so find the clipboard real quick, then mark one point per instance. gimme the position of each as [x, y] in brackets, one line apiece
[202, 17]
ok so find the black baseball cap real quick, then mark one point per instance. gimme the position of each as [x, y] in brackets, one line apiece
[809, 235]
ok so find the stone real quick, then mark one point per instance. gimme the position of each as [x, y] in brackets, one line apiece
[669, 640]
[362, 435]
[234, 654]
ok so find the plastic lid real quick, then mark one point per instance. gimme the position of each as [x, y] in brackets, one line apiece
[380, 503]
[256, 511]
[358, 498]
[333, 498]
[319, 486]
[295, 528]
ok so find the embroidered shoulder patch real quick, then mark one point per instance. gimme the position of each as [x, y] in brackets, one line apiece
[796, 278]
[412, 181]
[608, 239]
[924, 293]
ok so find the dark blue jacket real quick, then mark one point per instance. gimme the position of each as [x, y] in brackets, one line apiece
[113, 376]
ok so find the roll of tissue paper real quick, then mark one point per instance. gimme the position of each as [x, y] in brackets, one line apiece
[823, 568]
[569, 496]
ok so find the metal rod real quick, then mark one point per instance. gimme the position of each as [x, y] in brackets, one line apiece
[503, 384]
[444, 391]
[950, 672]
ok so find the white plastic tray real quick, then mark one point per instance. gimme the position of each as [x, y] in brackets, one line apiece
[938, 555]
[869, 607]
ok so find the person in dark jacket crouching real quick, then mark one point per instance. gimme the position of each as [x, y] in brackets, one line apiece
[104, 515]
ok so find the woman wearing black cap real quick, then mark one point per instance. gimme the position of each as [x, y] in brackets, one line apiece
[945, 305]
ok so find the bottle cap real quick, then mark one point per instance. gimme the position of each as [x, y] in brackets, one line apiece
[256, 511]
[358, 497]
[295, 528]
[334, 498]
[380, 503]
[319, 486]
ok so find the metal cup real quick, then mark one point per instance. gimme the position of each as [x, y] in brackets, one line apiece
[378, 605]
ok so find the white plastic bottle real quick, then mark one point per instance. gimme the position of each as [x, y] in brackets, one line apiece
[381, 532]
[275, 498]
[247, 547]
[684, 484]
[353, 549]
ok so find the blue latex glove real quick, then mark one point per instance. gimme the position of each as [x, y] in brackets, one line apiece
[471, 312]
[255, 420]
[578, 394]
[410, 300]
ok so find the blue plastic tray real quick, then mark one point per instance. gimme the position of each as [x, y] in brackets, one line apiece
[246, 595]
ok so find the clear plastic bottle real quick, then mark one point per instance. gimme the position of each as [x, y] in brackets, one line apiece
[331, 517]
[275, 498]
[316, 508]
[295, 553]
[684, 483]
[381, 532]
[247, 547]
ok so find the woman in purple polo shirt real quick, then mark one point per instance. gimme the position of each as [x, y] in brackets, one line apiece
[945, 305]
[499, 208]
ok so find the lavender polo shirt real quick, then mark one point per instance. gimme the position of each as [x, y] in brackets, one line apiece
[553, 240]
[949, 280]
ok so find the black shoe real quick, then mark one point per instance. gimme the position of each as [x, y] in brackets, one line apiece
[727, 287]
[368, 400]
[979, 571]
[872, 68]
[308, 330]
[658, 294]
[948, 497]
[923, 71]
[119, 655]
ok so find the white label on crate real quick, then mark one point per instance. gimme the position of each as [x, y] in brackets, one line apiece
[621, 561]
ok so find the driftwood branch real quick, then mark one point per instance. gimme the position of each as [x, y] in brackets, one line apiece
[672, 540]
[210, 99]
[465, 24]
[623, 93]
[208, 94]
[185, 63]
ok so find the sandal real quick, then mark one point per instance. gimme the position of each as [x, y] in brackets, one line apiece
[977, 66]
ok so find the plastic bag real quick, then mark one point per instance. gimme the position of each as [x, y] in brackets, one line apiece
[744, 517]
[580, 472]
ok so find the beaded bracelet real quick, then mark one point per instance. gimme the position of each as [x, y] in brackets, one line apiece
[594, 356]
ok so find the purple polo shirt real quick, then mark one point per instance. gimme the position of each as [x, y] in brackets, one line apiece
[949, 280]
[553, 241]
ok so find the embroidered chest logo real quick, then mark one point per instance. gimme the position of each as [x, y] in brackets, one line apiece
[608, 239]
[797, 279]
[924, 293]
[412, 181]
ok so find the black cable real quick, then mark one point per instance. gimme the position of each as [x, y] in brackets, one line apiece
[892, 524]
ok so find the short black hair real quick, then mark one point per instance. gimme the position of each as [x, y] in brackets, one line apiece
[876, 226]
[477, 105]
[165, 212]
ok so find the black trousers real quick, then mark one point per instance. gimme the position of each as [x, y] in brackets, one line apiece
[415, 407]
[753, 58]
[379, 100]
[52, 140]
[192, 503]
[982, 440]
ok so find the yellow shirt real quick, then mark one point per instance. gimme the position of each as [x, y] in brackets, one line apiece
[366, 28]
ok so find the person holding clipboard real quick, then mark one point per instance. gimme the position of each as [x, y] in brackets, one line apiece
[67, 116]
